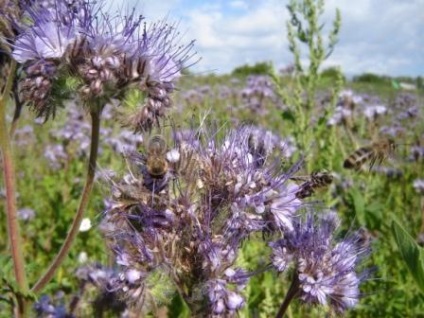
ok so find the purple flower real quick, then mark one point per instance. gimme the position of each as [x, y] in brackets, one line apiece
[325, 270]
[26, 214]
[348, 99]
[24, 136]
[106, 55]
[373, 111]
[56, 156]
[417, 153]
[46, 41]
[106, 283]
[341, 115]
[393, 130]
[192, 220]
[222, 300]
[258, 91]
[45, 308]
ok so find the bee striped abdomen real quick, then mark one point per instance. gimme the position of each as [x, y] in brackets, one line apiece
[358, 158]
[317, 180]
[374, 153]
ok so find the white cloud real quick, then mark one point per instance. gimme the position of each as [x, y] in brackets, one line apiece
[203, 28]
[226, 41]
[381, 36]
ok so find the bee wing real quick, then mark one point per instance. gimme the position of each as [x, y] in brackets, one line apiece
[300, 178]
[134, 160]
[373, 160]
[134, 157]
[379, 158]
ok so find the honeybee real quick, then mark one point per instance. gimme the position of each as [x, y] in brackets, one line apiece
[156, 163]
[317, 180]
[373, 153]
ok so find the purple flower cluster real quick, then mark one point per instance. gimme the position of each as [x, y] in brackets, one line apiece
[95, 280]
[324, 270]
[47, 307]
[346, 103]
[190, 220]
[417, 153]
[24, 136]
[103, 281]
[105, 55]
[351, 105]
[229, 95]
[258, 91]
[257, 95]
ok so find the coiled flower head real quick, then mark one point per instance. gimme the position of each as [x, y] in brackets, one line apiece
[324, 270]
[77, 47]
[191, 223]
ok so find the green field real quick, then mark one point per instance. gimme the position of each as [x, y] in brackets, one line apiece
[367, 199]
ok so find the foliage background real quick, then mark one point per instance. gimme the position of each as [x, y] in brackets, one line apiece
[369, 200]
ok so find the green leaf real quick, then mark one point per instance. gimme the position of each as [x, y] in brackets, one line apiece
[288, 115]
[178, 307]
[412, 254]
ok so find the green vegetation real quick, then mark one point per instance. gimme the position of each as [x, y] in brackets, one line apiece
[372, 201]
[261, 68]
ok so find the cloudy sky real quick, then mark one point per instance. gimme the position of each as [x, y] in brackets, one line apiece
[379, 36]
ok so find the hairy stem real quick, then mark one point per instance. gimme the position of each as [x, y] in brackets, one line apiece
[291, 294]
[95, 134]
[10, 186]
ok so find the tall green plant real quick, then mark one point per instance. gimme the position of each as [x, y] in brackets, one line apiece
[305, 30]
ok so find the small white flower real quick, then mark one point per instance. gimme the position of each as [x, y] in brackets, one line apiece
[82, 257]
[419, 186]
[85, 225]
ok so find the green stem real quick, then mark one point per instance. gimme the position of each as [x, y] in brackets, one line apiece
[10, 185]
[291, 294]
[95, 134]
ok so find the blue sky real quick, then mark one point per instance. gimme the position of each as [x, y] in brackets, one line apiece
[379, 36]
